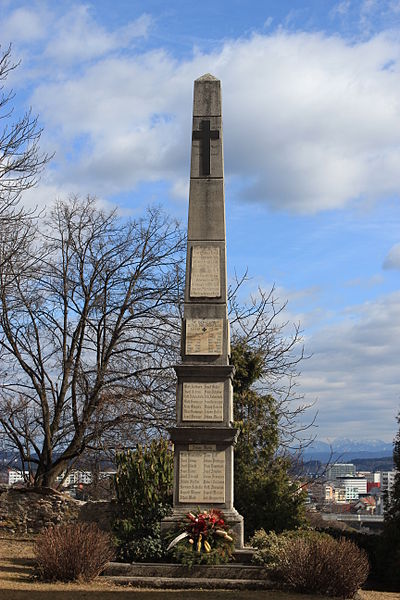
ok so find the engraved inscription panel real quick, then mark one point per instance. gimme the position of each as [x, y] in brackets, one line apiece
[202, 476]
[205, 280]
[204, 336]
[203, 402]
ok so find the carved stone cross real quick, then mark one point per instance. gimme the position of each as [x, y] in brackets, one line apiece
[205, 135]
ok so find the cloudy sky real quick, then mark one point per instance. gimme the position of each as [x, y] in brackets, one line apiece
[311, 104]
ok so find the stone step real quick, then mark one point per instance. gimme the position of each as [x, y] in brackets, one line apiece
[244, 555]
[198, 583]
[227, 571]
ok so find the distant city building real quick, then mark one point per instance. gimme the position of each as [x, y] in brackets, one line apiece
[15, 476]
[78, 477]
[353, 486]
[373, 485]
[369, 476]
[366, 505]
[75, 478]
[387, 480]
[335, 493]
[340, 470]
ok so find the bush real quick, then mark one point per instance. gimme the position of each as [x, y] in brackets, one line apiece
[78, 551]
[143, 485]
[133, 546]
[308, 561]
[270, 547]
[324, 566]
[375, 547]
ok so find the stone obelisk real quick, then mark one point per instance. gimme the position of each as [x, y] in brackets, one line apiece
[204, 434]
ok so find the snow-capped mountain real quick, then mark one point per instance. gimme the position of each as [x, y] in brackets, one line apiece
[342, 449]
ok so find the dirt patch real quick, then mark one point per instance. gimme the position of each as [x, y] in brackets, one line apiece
[17, 566]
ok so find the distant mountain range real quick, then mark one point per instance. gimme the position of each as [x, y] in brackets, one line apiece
[344, 450]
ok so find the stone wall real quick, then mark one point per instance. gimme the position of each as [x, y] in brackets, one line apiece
[27, 511]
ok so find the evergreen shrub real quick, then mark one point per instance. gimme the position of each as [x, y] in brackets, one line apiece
[143, 484]
[77, 551]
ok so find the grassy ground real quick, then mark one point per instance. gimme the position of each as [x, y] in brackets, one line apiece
[16, 569]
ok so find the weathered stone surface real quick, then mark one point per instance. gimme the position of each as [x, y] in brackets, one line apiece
[234, 576]
[193, 583]
[207, 96]
[101, 512]
[28, 511]
[231, 576]
[204, 336]
[213, 270]
[205, 276]
[228, 571]
[203, 401]
[204, 477]
[206, 210]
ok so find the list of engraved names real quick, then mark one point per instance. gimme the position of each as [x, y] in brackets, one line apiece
[203, 402]
[205, 279]
[202, 476]
[204, 336]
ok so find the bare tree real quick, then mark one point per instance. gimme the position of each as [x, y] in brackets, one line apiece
[259, 323]
[88, 331]
[21, 162]
[20, 158]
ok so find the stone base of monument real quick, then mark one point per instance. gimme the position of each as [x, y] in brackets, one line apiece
[233, 576]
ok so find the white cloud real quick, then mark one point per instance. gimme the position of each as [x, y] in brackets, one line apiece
[311, 121]
[24, 25]
[79, 38]
[392, 260]
[340, 9]
[366, 282]
[353, 371]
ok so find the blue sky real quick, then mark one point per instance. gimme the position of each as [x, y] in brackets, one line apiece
[311, 103]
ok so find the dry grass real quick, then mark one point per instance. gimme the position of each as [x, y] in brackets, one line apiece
[16, 570]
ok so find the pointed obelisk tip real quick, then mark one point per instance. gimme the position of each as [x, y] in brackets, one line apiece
[207, 96]
[207, 77]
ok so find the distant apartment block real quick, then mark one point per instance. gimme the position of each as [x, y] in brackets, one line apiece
[334, 493]
[340, 470]
[78, 477]
[387, 480]
[75, 478]
[353, 486]
[345, 489]
[16, 476]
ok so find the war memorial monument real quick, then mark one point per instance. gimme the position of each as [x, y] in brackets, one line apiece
[204, 434]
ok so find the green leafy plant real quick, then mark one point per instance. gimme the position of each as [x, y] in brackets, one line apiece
[77, 551]
[143, 484]
[205, 538]
[264, 493]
